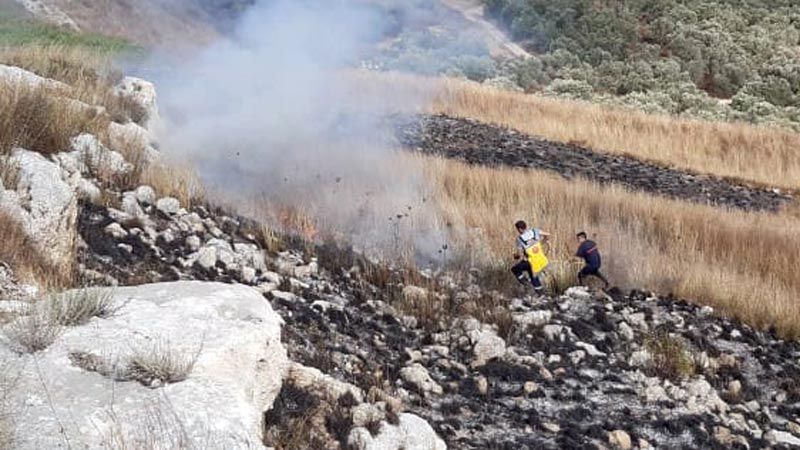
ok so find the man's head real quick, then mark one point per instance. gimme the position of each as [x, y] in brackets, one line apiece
[521, 226]
[581, 236]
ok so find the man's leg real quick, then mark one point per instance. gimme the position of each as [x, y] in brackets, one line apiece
[586, 271]
[537, 284]
[598, 274]
[519, 269]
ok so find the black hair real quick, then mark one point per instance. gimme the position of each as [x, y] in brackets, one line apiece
[582, 234]
[521, 225]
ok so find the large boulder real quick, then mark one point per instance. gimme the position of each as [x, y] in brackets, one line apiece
[45, 202]
[70, 391]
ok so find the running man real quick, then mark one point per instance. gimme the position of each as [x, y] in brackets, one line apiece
[531, 257]
[587, 250]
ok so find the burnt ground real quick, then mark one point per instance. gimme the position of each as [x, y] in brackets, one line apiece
[479, 143]
[571, 370]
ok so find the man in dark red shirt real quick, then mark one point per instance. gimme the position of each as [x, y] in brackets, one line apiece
[587, 250]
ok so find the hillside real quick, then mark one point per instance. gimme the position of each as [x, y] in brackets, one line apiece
[149, 22]
[301, 237]
[726, 59]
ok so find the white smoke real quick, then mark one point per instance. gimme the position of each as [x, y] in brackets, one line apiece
[271, 114]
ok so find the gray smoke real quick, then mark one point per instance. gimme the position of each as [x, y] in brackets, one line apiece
[273, 116]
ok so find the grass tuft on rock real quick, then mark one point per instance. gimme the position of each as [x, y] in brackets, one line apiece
[670, 357]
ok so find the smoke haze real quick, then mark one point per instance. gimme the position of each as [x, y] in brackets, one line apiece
[271, 115]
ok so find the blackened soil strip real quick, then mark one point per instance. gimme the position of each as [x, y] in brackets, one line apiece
[479, 143]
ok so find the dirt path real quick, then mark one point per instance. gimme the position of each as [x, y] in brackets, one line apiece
[499, 44]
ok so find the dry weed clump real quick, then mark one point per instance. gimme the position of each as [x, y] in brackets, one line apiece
[20, 252]
[173, 179]
[158, 362]
[79, 306]
[35, 119]
[670, 357]
[33, 332]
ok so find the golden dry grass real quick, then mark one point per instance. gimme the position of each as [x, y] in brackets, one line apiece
[174, 179]
[743, 264]
[762, 155]
[87, 73]
[36, 119]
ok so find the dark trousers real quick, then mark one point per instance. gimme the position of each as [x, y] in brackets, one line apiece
[591, 270]
[521, 268]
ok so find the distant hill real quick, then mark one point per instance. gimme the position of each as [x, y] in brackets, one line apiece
[145, 22]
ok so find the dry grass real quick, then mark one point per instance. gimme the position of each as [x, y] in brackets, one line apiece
[79, 306]
[173, 179]
[761, 155]
[33, 332]
[158, 362]
[36, 119]
[86, 72]
[20, 252]
[744, 264]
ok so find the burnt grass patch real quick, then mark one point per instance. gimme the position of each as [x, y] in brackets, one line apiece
[483, 144]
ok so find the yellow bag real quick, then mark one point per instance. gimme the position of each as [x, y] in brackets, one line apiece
[536, 258]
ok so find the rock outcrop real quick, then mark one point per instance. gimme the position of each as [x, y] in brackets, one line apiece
[44, 200]
[80, 390]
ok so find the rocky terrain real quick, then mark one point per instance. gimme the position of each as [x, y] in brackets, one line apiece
[479, 143]
[578, 370]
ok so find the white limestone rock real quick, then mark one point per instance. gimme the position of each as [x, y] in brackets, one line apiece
[237, 375]
[411, 433]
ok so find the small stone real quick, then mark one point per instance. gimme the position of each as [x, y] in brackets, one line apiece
[553, 359]
[116, 231]
[793, 427]
[590, 349]
[644, 445]
[530, 387]
[483, 385]
[193, 243]
[168, 205]
[775, 437]
[130, 206]
[626, 331]
[545, 374]
[125, 248]
[619, 439]
[417, 375]
[579, 293]
[145, 195]
[248, 274]
[734, 388]
[551, 427]
[552, 332]
[207, 258]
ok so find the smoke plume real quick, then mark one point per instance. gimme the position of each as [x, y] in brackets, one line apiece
[272, 117]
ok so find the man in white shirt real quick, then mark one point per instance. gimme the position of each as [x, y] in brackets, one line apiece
[529, 254]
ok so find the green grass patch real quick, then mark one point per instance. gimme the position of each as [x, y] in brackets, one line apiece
[15, 32]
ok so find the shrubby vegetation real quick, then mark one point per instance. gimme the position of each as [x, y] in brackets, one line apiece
[718, 59]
